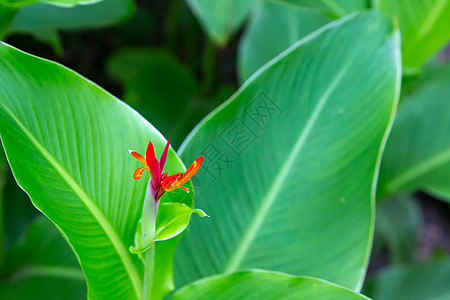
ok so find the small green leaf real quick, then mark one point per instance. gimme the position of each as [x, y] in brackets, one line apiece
[424, 26]
[263, 285]
[172, 219]
[200, 212]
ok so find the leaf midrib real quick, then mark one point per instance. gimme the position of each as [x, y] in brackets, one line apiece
[90, 205]
[252, 230]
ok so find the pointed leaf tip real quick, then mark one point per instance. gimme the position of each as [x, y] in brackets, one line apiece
[200, 212]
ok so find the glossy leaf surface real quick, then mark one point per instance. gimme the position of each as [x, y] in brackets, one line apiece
[424, 26]
[66, 140]
[282, 179]
[263, 285]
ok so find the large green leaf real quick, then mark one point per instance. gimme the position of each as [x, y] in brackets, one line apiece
[45, 16]
[221, 18]
[333, 8]
[271, 30]
[424, 26]
[397, 225]
[66, 140]
[290, 159]
[42, 266]
[417, 154]
[263, 285]
[427, 280]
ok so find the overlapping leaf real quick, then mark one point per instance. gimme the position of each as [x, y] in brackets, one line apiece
[283, 178]
[424, 25]
[272, 30]
[417, 154]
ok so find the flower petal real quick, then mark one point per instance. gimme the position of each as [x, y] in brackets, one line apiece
[156, 174]
[138, 156]
[191, 171]
[150, 154]
[162, 161]
[138, 173]
[177, 180]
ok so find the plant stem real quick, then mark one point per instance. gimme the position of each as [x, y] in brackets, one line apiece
[148, 219]
[148, 234]
[149, 270]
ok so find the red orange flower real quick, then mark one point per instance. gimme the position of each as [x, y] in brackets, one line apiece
[159, 181]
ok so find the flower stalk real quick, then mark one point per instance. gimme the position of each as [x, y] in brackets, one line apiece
[158, 184]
